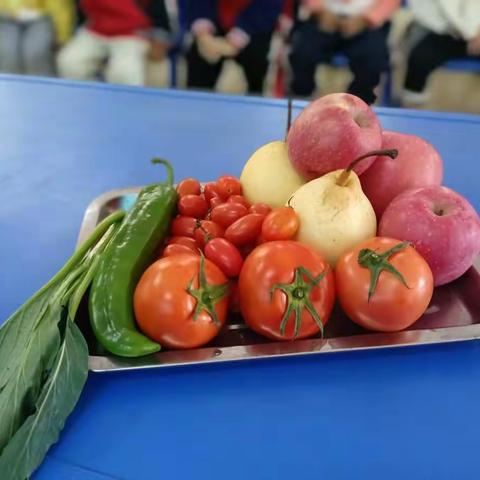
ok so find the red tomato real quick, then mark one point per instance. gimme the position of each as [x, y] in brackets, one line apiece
[286, 290]
[227, 213]
[192, 206]
[177, 249]
[188, 186]
[239, 199]
[183, 226]
[215, 202]
[245, 230]
[187, 241]
[176, 306]
[225, 256]
[260, 208]
[280, 224]
[210, 190]
[228, 186]
[207, 230]
[398, 299]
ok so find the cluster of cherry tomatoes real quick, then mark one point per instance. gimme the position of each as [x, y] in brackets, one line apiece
[218, 221]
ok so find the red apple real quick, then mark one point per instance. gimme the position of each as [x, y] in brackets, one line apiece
[330, 133]
[441, 224]
[418, 164]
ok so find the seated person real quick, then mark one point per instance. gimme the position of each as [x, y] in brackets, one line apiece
[237, 29]
[356, 28]
[442, 30]
[120, 33]
[29, 33]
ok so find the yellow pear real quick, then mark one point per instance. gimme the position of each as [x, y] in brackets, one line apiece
[269, 177]
[335, 215]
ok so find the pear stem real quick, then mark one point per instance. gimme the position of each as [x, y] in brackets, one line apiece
[343, 178]
[289, 117]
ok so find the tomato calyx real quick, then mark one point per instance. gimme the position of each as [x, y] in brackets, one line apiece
[206, 295]
[298, 298]
[377, 263]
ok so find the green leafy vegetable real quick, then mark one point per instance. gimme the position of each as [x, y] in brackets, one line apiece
[44, 360]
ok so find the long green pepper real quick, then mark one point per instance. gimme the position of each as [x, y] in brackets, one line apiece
[122, 264]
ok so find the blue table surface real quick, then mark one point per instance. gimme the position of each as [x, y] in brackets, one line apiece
[396, 414]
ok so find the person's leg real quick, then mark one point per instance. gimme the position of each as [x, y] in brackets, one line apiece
[127, 61]
[431, 52]
[368, 56]
[37, 47]
[10, 34]
[81, 58]
[200, 73]
[309, 47]
[254, 61]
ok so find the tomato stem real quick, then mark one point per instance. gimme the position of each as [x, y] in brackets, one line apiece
[206, 295]
[298, 299]
[377, 263]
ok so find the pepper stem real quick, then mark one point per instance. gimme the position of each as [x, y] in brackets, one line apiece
[169, 168]
[343, 178]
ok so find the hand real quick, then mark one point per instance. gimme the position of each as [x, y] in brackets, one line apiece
[227, 48]
[473, 46]
[352, 26]
[208, 48]
[328, 21]
[158, 50]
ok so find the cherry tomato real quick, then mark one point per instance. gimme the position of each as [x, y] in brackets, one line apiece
[260, 208]
[280, 224]
[192, 206]
[177, 249]
[210, 190]
[187, 241]
[207, 230]
[403, 290]
[173, 304]
[245, 230]
[225, 256]
[239, 199]
[188, 186]
[215, 202]
[227, 213]
[286, 290]
[183, 226]
[228, 186]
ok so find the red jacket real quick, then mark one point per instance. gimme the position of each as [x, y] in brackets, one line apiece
[125, 17]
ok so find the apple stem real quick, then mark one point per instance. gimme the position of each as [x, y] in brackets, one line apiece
[289, 116]
[343, 178]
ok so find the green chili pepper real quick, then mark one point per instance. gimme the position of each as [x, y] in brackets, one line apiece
[123, 262]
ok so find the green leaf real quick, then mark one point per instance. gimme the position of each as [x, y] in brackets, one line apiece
[44, 360]
[57, 398]
[17, 399]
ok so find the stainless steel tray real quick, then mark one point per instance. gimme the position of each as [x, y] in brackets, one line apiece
[453, 315]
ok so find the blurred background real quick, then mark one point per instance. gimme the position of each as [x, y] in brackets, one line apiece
[418, 53]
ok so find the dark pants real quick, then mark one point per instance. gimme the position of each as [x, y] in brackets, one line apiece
[253, 59]
[367, 54]
[432, 51]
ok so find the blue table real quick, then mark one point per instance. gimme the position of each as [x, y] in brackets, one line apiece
[411, 413]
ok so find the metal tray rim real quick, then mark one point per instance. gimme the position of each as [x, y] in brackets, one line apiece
[369, 341]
